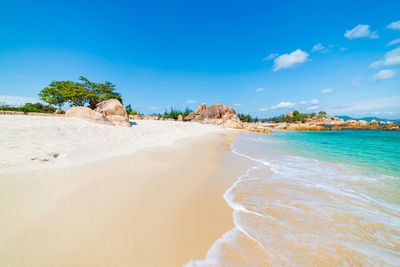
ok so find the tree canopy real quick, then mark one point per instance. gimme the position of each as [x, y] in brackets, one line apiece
[78, 93]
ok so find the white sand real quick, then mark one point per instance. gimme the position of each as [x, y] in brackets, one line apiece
[29, 142]
[160, 206]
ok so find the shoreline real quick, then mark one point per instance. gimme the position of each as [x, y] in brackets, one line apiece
[122, 210]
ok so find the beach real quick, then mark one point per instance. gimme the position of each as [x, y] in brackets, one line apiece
[160, 205]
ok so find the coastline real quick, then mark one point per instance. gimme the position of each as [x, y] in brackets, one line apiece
[164, 201]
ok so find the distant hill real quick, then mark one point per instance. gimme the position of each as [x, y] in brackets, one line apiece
[367, 119]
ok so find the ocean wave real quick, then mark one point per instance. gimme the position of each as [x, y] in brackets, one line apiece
[303, 211]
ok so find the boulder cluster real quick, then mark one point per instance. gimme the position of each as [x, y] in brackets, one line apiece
[217, 114]
[109, 112]
[337, 125]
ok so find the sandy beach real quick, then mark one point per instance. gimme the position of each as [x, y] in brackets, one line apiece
[157, 206]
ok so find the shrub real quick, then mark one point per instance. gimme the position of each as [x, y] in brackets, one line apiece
[29, 107]
[247, 118]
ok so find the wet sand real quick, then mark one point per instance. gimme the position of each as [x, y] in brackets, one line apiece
[158, 207]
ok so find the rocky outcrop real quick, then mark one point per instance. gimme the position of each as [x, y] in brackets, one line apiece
[190, 117]
[218, 112]
[180, 117]
[201, 108]
[88, 114]
[288, 115]
[58, 111]
[322, 120]
[150, 117]
[114, 111]
[373, 125]
[224, 116]
[135, 117]
[350, 124]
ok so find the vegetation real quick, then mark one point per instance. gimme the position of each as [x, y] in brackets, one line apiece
[296, 116]
[78, 93]
[29, 107]
[131, 111]
[247, 118]
[173, 113]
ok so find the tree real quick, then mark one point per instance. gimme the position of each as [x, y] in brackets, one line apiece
[296, 113]
[322, 114]
[78, 93]
[59, 92]
[98, 92]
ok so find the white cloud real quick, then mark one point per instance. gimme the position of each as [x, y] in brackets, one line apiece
[262, 109]
[356, 81]
[291, 60]
[303, 102]
[259, 90]
[284, 104]
[384, 75]
[343, 49]
[313, 108]
[17, 100]
[317, 47]
[314, 101]
[360, 31]
[395, 25]
[326, 90]
[393, 42]
[238, 105]
[365, 107]
[191, 101]
[391, 58]
[154, 108]
[271, 56]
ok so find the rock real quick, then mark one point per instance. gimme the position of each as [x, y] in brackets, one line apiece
[231, 124]
[150, 118]
[87, 114]
[201, 108]
[216, 112]
[135, 117]
[189, 117]
[389, 123]
[58, 111]
[114, 111]
[180, 117]
[288, 115]
[351, 121]
[374, 122]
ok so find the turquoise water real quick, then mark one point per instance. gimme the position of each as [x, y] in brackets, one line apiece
[314, 199]
[376, 151]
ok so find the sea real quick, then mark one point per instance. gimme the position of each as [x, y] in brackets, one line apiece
[329, 198]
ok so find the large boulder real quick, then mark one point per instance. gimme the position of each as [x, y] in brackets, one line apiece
[58, 111]
[190, 117]
[288, 115]
[201, 108]
[114, 111]
[87, 114]
[216, 112]
[180, 117]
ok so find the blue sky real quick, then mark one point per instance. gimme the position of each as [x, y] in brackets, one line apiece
[261, 57]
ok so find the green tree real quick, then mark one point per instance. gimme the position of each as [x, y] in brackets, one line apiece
[296, 113]
[78, 93]
[60, 92]
[322, 114]
[130, 111]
